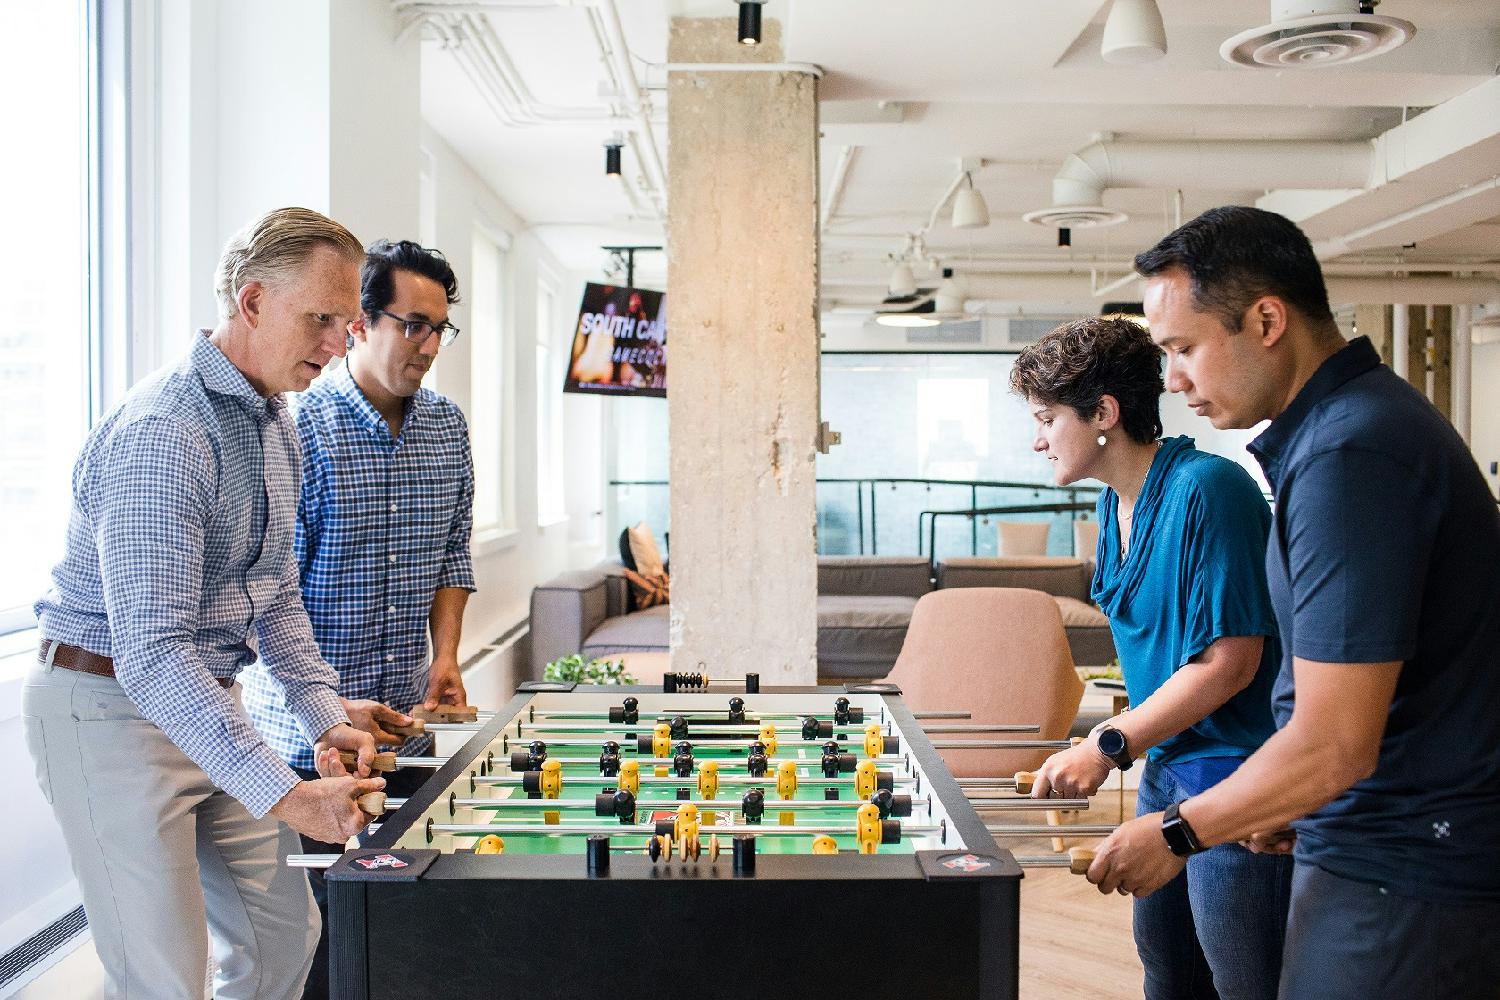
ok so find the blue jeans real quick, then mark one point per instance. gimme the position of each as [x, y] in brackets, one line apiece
[1216, 930]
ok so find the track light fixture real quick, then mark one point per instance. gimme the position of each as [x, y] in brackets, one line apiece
[902, 283]
[969, 208]
[612, 147]
[1133, 33]
[750, 21]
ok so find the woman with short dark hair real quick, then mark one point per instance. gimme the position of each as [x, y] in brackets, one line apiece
[1181, 575]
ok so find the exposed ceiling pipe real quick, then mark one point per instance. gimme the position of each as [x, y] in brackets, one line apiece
[981, 262]
[841, 167]
[1088, 173]
[637, 103]
[464, 28]
[1440, 215]
[1027, 287]
[1431, 175]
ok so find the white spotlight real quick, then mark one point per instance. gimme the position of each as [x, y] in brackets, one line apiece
[969, 209]
[903, 282]
[1133, 33]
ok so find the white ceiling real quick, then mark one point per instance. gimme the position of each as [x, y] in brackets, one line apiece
[1017, 83]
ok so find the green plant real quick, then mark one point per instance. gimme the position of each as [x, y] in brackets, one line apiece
[1109, 673]
[581, 670]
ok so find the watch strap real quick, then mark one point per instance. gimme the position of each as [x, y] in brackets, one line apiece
[1181, 839]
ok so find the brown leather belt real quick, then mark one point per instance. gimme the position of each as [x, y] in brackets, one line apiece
[74, 658]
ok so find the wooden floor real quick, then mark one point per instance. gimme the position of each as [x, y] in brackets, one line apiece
[1075, 943]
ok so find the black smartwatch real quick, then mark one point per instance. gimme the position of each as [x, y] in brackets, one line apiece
[1111, 743]
[1180, 837]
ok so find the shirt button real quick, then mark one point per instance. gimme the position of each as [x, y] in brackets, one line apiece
[390, 657]
[393, 508]
[391, 610]
[393, 557]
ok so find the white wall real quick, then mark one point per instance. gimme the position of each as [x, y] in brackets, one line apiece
[507, 568]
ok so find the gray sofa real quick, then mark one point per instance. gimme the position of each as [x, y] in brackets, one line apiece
[864, 608]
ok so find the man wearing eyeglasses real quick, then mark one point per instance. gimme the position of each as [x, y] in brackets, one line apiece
[383, 521]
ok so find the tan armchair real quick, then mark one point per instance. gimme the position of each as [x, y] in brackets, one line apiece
[998, 653]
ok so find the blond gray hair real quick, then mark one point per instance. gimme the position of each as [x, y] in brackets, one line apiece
[273, 247]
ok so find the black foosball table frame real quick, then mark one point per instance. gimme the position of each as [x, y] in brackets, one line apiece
[934, 924]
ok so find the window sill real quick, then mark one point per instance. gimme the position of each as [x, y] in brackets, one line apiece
[493, 540]
[551, 522]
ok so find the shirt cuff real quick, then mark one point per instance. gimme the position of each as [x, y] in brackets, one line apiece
[457, 573]
[262, 780]
[318, 713]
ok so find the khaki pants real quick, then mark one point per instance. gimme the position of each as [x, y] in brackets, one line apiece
[164, 859]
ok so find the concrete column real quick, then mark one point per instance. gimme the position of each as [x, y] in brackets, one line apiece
[742, 276]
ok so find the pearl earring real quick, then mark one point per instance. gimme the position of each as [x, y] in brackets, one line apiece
[1101, 440]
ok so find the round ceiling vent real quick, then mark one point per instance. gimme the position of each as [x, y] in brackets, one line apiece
[1316, 41]
[1075, 216]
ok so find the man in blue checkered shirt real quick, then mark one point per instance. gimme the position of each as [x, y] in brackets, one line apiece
[178, 564]
[383, 521]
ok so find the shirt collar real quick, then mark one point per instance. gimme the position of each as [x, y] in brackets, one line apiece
[220, 376]
[1349, 362]
[342, 382]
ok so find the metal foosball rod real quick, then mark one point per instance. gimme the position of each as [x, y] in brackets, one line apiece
[1050, 831]
[1021, 781]
[627, 830]
[1001, 744]
[651, 779]
[1077, 860]
[1022, 803]
[884, 761]
[648, 805]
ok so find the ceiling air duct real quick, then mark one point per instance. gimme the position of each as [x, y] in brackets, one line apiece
[1311, 34]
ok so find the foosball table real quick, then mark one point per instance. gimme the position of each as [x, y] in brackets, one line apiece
[605, 841]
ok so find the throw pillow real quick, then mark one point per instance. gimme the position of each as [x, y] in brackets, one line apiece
[648, 561]
[626, 558]
[649, 590]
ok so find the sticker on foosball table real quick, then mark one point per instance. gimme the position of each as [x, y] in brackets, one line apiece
[376, 865]
[721, 818]
[967, 864]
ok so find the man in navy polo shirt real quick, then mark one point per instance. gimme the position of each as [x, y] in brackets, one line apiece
[1384, 572]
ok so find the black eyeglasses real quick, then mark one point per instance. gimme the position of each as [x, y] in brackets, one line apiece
[419, 329]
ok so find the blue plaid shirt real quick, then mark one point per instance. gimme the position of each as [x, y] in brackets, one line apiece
[179, 542]
[382, 525]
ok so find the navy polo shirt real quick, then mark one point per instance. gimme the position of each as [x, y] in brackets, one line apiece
[1386, 546]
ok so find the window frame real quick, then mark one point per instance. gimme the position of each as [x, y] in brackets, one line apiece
[499, 533]
[106, 127]
[549, 417]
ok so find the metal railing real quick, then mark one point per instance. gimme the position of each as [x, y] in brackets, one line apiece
[866, 508]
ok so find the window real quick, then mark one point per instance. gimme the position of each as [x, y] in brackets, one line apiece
[550, 505]
[488, 360]
[50, 344]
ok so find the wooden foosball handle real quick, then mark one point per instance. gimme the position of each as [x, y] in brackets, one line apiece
[1024, 781]
[384, 761]
[417, 728]
[371, 803]
[447, 713]
[1079, 859]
